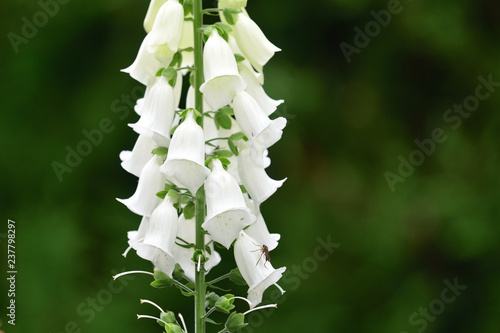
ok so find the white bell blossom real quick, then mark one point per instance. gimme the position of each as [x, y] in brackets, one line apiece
[222, 79]
[184, 256]
[135, 160]
[258, 230]
[157, 112]
[255, 89]
[137, 236]
[185, 160]
[145, 65]
[227, 213]
[253, 175]
[151, 181]
[154, 7]
[187, 40]
[252, 42]
[209, 128]
[166, 32]
[232, 3]
[254, 122]
[160, 237]
[258, 273]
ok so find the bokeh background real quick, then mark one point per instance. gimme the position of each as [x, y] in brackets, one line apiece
[348, 122]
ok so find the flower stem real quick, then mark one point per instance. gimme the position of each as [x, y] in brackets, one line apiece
[200, 285]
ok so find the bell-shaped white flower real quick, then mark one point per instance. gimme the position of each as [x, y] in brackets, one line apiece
[157, 112]
[154, 7]
[185, 160]
[167, 31]
[252, 42]
[187, 41]
[258, 230]
[223, 144]
[184, 256]
[160, 237]
[145, 65]
[232, 4]
[227, 213]
[245, 63]
[137, 236]
[135, 160]
[222, 79]
[255, 89]
[209, 128]
[257, 272]
[178, 89]
[255, 123]
[151, 181]
[253, 175]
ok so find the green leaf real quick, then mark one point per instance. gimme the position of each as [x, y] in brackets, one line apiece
[160, 151]
[162, 283]
[236, 277]
[159, 72]
[178, 272]
[173, 194]
[185, 293]
[237, 136]
[162, 194]
[239, 57]
[185, 199]
[224, 27]
[207, 161]
[173, 129]
[210, 299]
[232, 146]
[208, 249]
[173, 328]
[223, 120]
[187, 246]
[243, 189]
[189, 210]
[169, 73]
[223, 153]
[210, 321]
[224, 160]
[169, 186]
[228, 16]
[227, 110]
[224, 304]
[168, 317]
[235, 322]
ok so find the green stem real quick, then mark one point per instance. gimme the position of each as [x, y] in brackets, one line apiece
[200, 285]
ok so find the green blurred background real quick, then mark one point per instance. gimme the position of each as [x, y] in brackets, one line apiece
[347, 125]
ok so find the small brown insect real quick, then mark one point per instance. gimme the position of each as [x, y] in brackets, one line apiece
[264, 251]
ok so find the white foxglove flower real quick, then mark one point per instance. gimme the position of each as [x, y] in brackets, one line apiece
[157, 112]
[227, 213]
[178, 89]
[252, 42]
[222, 79]
[209, 128]
[255, 123]
[257, 272]
[167, 31]
[245, 63]
[255, 89]
[151, 181]
[223, 144]
[187, 40]
[135, 160]
[145, 65]
[258, 230]
[253, 175]
[185, 160]
[232, 3]
[184, 257]
[137, 236]
[160, 237]
[154, 7]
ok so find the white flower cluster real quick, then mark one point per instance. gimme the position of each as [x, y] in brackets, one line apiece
[234, 80]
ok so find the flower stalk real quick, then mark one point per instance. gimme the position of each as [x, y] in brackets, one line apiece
[200, 286]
